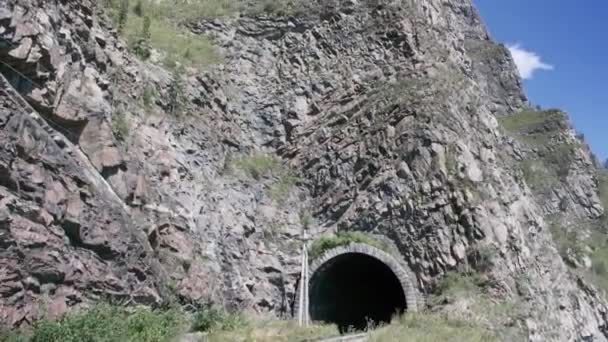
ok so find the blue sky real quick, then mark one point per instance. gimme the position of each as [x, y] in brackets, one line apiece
[562, 48]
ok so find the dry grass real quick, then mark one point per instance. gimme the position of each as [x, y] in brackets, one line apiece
[275, 331]
[431, 328]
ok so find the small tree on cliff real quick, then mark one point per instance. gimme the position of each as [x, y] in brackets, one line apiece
[142, 45]
[177, 97]
[123, 15]
[139, 8]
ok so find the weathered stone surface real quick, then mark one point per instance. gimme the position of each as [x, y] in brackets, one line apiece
[386, 112]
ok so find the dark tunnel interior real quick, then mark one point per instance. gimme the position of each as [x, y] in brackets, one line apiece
[352, 290]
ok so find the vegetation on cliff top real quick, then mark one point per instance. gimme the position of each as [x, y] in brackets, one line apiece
[325, 243]
[543, 132]
[603, 190]
[554, 154]
[150, 24]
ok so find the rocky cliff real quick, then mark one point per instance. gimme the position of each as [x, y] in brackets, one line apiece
[394, 118]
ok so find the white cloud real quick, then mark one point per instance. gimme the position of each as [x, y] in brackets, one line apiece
[527, 61]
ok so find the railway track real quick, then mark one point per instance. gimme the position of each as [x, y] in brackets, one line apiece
[360, 337]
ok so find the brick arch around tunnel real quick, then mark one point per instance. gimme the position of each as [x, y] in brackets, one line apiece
[366, 255]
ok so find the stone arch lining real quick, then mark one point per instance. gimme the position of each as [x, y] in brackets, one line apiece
[401, 271]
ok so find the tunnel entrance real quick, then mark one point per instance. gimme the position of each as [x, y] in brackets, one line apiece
[353, 290]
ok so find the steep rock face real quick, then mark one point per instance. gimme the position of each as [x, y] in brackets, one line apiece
[64, 230]
[385, 110]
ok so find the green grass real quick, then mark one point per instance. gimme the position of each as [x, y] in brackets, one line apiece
[431, 328]
[325, 243]
[7, 335]
[108, 323]
[192, 10]
[105, 323]
[167, 19]
[179, 45]
[530, 120]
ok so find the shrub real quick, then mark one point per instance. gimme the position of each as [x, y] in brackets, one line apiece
[568, 242]
[146, 325]
[305, 219]
[139, 8]
[105, 323]
[259, 165]
[598, 242]
[325, 243]
[537, 176]
[177, 97]
[149, 96]
[456, 283]
[279, 191]
[120, 125]
[482, 257]
[213, 319]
